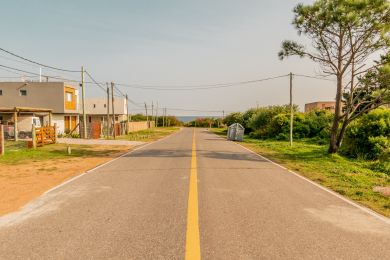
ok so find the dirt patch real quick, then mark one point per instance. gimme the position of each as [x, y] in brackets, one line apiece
[383, 190]
[25, 181]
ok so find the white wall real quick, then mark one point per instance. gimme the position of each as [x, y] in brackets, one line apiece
[59, 120]
[99, 109]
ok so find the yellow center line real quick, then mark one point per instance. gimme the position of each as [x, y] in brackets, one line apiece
[192, 236]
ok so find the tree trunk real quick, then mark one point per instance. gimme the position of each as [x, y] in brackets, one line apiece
[340, 137]
[333, 146]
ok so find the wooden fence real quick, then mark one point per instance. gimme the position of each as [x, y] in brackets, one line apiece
[2, 150]
[44, 135]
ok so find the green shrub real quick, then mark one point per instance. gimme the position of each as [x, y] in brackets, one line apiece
[274, 122]
[232, 118]
[369, 136]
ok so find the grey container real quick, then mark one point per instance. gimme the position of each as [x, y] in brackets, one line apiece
[235, 132]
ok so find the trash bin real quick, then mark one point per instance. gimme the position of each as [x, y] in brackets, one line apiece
[235, 132]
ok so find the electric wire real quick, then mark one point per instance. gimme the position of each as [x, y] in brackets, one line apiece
[37, 63]
[95, 82]
[199, 87]
[313, 77]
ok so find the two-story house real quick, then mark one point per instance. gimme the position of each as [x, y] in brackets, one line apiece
[96, 110]
[59, 97]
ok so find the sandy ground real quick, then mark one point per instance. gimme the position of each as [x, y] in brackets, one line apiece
[22, 183]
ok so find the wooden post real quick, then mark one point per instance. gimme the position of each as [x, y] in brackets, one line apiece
[127, 115]
[16, 125]
[55, 133]
[2, 150]
[34, 137]
[113, 110]
[291, 110]
[108, 112]
[50, 118]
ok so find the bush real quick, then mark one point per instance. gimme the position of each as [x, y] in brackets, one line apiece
[274, 122]
[205, 122]
[232, 118]
[369, 136]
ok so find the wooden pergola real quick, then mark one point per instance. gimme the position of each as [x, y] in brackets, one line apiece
[17, 110]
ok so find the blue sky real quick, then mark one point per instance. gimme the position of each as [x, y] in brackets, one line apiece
[171, 43]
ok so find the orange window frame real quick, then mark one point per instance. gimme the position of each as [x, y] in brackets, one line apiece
[70, 105]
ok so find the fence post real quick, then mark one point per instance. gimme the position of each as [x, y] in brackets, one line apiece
[55, 133]
[2, 151]
[34, 137]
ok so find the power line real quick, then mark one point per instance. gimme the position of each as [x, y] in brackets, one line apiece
[36, 74]
[200, 87]
[96, 83]
[37, 63]
[312, 77]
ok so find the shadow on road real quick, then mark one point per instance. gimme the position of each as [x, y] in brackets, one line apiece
[169, 153]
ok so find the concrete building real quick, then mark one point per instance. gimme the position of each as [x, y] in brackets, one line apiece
[96, 109]
[61, 98]
[320, 105]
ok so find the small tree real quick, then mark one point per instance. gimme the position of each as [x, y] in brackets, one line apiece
[346, 36]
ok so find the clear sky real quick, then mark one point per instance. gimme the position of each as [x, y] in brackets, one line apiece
[166, 43]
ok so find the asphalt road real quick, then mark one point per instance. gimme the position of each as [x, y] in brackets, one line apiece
[137, 207]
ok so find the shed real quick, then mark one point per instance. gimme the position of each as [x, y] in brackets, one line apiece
[235, 132]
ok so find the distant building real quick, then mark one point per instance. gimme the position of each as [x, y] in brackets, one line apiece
[59, 97]
[96, 109]
[321, 105]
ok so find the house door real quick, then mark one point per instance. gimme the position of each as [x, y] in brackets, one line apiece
[73, 122]
[67, 123]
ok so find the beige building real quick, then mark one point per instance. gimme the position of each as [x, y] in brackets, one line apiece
[59, 97]
[96, 109]
[320, 105]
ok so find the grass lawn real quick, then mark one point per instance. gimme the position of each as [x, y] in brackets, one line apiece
[17, 152]
[149, 135]
[352, 178]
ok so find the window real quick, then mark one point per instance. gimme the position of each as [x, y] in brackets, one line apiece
[105, 105]
[94, 105]
[23, 92]
[116, 118]
[69, 96]
[89, 119]
[1, 92]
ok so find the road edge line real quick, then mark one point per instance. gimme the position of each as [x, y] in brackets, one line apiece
[341, 197]
[353, 203]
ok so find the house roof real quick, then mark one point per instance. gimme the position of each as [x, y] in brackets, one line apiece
[25, 109]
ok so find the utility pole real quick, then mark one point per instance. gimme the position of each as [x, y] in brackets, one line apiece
[163, 117]
[147, 116]
[113, 110]
[152, 120]
[291, 110]
[157, 115]
[108, 111]
[166, 117]
[127, 114]
[83, 103]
